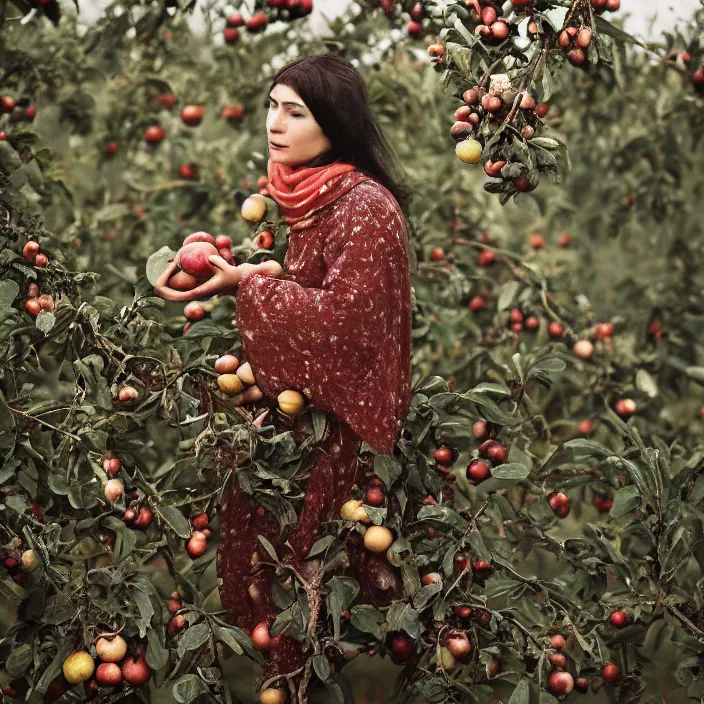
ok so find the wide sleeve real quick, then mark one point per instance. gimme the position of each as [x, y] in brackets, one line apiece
[347, 345]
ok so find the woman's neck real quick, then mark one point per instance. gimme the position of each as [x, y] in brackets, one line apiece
[321, 160]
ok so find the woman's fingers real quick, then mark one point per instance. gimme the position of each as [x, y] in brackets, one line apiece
[166, 274]
[217, 261]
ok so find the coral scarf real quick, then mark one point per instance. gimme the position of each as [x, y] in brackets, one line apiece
[297, 190]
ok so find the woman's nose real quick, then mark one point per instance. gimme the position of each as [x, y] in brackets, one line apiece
[278, 122]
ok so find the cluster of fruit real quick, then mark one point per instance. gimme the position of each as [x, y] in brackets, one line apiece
[481, 114]
[191, 115]
[697, 74]
[281, 10]
[197, 544]
[491, 453]
[114, 668]
[8, 106]
[491, 29]
[561, 682]
[21, 563]
[36, 302]
[601, 6]
[575, 41]
[33, 254]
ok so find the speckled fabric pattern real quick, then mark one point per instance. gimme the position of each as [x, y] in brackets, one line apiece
[336, 327]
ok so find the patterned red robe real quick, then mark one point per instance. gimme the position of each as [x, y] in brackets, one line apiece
[336, 327]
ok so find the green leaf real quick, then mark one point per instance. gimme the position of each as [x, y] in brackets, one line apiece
[342, 591]
[157, 654]
[403, 617]
[520, 695]
[8, 292]
[625, 500]
[188, 688]
[176, 520]
[45, 321]
[146, 611]
[194, 637]
[587, 448]
[19, 660]
[605, 27]
[696, 373]
[388, 469]
[545, 143]
[508, 294]
[511, 470]
[646, 383]
[367, 619]
[157, 263]
[321, 545]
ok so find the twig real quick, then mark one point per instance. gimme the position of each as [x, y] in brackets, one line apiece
[48, 425]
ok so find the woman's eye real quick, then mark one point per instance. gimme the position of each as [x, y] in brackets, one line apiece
[297, 114]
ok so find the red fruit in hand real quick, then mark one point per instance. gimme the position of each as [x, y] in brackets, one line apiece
[181, 281]
[193, 258]
[223, 242]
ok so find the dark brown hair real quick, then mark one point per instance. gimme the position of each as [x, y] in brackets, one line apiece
[336, 94]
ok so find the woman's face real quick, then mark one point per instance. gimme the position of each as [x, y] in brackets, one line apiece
[293, 135]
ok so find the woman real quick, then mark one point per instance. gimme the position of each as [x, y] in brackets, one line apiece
[334, 323]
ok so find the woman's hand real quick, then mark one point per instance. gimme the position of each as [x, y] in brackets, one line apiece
[225, 280]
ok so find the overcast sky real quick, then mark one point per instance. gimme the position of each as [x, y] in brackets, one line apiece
[639, 13]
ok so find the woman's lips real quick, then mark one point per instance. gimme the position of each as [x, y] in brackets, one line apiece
[276, 146]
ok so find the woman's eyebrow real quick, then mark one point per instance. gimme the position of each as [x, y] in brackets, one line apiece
[289, 103]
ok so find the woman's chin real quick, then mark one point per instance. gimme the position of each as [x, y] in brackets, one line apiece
[279, 157]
